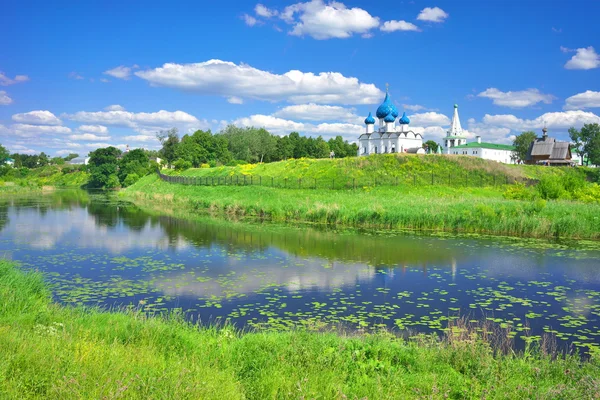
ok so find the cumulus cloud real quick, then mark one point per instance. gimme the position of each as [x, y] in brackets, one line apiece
[39, 117]
[584, 58]
[580, 101]
[100, 129]
[316, 112]
[120, 72]
[75, 75]
[31, 131]
[6, 81]
[517, 99]
[281, 126]
[414, 107]
[144, 123]
[392, 26]
[432, 14]
[265, 12]
[4, 98]
[227, 79]
[326, 21]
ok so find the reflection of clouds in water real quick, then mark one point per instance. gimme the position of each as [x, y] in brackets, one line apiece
[77, 227]
[312, 274]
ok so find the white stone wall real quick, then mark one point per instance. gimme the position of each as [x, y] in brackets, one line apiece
[503, 156]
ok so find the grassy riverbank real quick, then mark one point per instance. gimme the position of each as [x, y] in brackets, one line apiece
[421, 208]
[50, 351]
[52, 175]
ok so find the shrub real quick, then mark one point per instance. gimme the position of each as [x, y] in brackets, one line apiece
[112, 182]
[181, 165]
[519, 191]
[131, 179]
[551, 188]
[588, 194]
[204, 166]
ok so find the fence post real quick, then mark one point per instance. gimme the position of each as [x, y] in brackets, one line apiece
[449, 179]
[237, 180]
[212, 182]
[466, 179]
[396, 181]
[494, 180]
[260, 181]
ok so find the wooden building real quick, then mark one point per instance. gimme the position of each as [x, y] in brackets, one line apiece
[549, 151]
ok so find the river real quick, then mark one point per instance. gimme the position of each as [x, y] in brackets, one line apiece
[96, 250]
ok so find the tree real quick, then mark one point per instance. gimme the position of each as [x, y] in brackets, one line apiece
[57, 161]
[4, 154]
[263, 144]
[432, 146]
[522, 143]
[587, 142]
[71, 156]
[134, 162]
[103, 166]
[170, 141]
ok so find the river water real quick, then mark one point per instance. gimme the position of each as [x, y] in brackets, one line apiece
[95, 250]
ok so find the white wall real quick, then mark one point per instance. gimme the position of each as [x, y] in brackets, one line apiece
[503, 156]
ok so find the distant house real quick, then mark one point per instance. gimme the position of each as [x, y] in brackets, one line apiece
[10, 162]
[79, 161]
[503, 153]
[549, 151]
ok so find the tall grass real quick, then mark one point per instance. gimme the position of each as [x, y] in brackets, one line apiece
[423, 208]
[50, 351]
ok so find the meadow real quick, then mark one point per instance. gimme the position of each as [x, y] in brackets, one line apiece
[427, 208]
[52, 351]
[33, 179]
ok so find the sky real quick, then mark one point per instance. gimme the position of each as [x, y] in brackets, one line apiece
[75, 76]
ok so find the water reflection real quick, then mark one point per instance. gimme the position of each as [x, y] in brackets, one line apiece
[96, 250]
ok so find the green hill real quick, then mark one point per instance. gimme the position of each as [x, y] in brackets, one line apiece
[386, 169]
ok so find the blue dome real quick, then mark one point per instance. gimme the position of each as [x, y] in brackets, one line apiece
[404, 120]
[386, 108]
[395, 111]
[389, 118]
[370, 120]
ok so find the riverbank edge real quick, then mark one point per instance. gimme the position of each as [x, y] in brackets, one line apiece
[55, 351]
[525, 222]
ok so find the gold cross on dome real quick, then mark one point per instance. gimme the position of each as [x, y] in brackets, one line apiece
[387, 87]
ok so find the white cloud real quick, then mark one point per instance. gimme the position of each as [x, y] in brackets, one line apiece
[6, 81]
[580, 101]
[235, 100]
[4, 99]
[566, 49]
[249, 20]
[280, 126]
[39, 117]
[326, 21]
[104, 80]
[120, 72]
[315, 112]
[114, 107]
[434, 14]
[518, 99]
[75, 75]
[140, 138]
[228, 79]
[101, 129]
[585, 58]
[31, 131]
[553, 120]
[429, 119]
[265, 12]
[145, 123]
[391, 26]
[88, 137]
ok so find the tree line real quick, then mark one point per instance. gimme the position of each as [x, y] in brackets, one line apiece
[234, 145]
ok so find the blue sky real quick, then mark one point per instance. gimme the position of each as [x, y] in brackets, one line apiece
[78, 75]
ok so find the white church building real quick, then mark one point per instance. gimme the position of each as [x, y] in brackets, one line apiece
[389, 137]
[455, 143]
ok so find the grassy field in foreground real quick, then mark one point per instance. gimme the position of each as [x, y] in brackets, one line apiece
[427, 208]
[51, 351]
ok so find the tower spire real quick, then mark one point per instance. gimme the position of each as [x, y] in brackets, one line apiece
[387, 87]
[455, 128]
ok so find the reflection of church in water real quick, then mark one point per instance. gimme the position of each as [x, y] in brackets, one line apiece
[389, 137]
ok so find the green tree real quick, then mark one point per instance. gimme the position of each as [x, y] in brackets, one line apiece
[170, 142]
[4, 154]
[321, 148]
[134, 162]
[587, 142]
[432, 146]
[263, 145]
[57, 161]
[284, 148]
[71, 156]
[522, 143]
[103, 166]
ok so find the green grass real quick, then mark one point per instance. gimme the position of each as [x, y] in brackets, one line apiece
[481, 210]
[51, 351]
[57, 176]
[447, 169]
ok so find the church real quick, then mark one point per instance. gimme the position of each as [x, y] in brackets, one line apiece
[390, 137]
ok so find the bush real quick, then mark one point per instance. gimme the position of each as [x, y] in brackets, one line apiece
[204, 166]
[233, 163]
[551, 188]
[131, 179]
[112, 182]
[181, 165]
[519, 191]
[588, 194]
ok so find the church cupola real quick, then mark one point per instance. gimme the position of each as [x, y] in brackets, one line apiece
[389, 118]
[404, 120]
[370, 124]
[385, 108]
